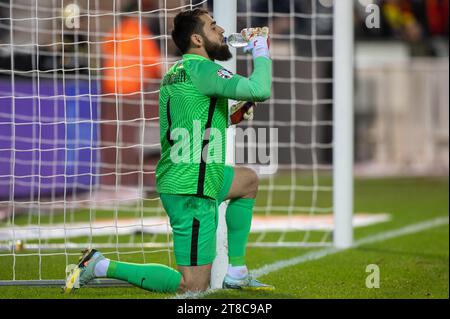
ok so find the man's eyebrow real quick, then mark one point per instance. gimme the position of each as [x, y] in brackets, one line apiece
[213, 23]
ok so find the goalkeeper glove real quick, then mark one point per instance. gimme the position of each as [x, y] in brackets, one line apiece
[259, 42]
[241, 111]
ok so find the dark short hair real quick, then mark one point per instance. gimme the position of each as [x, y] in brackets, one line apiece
[187, 23]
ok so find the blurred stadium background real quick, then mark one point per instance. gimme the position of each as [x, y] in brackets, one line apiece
[85, 137]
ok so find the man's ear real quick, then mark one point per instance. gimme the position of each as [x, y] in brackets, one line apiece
[197, 40]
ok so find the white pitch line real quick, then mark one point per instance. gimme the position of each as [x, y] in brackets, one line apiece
[264, 270]
[194, 295]
[411, 229]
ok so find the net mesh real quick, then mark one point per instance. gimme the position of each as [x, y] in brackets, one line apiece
[79, 133]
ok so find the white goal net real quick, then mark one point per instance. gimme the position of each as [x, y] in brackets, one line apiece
[79, 132]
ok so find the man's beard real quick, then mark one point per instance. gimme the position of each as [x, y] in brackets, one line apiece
[219, 52]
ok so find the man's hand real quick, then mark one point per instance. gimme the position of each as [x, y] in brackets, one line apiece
[259, 42]
[241, 111]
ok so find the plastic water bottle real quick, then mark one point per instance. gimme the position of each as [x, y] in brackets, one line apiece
[240, 40]
[236, 40]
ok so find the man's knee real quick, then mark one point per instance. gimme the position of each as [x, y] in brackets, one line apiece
[194, 284]
[195, 278]
[253, 181]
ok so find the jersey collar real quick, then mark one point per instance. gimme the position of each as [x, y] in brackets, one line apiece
[194, 57]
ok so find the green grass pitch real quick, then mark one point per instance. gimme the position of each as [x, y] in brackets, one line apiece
[411, 266]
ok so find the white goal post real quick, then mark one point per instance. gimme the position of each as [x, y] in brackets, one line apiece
[343, 123]
[225, 14]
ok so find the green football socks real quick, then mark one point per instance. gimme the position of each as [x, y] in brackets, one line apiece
[153, 277]
[239, 220]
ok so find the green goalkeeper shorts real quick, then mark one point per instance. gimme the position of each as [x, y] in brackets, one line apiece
[194, 223]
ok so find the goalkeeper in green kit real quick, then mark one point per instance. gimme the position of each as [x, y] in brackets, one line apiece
[192, 178]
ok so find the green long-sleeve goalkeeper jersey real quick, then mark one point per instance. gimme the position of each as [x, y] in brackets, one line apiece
[193, 112]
